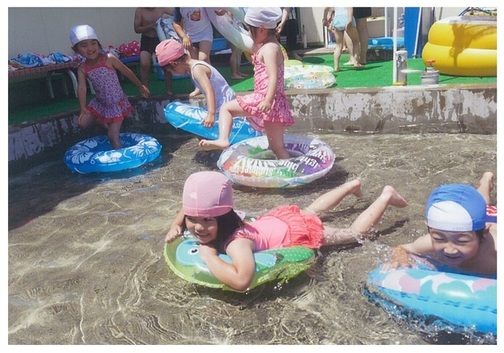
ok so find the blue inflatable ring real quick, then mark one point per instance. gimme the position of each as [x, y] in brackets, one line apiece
[95, 155]
[190, 118]
[460, 301]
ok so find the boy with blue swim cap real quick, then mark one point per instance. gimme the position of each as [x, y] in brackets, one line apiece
[461, 234]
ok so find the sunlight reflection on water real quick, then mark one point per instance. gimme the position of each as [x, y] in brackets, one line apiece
[86, 251]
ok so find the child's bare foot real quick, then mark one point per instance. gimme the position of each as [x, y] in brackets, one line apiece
[209, 145]
[393, 197]
[486, 186]
[487, 180]
[116, 144]
[194, 93]
[238, 77]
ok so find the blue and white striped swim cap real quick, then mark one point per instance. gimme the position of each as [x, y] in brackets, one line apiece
[457, 208]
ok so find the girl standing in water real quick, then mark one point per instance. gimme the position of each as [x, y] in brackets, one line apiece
[111, 105]
[267, 109]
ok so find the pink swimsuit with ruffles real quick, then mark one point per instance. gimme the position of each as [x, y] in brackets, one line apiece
[280, 110]
[282, 227]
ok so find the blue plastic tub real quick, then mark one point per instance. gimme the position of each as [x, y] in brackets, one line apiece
[385, 43]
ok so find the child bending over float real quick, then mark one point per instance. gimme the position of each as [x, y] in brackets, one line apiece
[207, 213]
[111, 105]
[205, 77]
[267, 109]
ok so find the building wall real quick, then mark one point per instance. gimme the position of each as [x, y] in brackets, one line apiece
[45, 30]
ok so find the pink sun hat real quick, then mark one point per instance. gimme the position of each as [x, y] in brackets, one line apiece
[207, 194]
[168, 51]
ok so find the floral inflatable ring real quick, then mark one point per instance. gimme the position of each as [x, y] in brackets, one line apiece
[96, 154]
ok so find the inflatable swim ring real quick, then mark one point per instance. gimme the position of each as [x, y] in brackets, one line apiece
[463, 46]
[231, 28]
[458, 301]
[164, 29]
[182, 256]
[308, 76]
[96, 154]
[189, 118]
[251, 163]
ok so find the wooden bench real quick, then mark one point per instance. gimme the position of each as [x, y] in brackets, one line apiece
[48, 71]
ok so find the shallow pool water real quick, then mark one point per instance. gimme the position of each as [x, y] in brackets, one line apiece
[86, 259]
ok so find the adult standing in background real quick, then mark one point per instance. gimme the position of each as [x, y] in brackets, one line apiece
[288, 27]
[194, 28]
[361, 15]
[340, 20]
[145, 24]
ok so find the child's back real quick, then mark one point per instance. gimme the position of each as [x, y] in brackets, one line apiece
[223, 92]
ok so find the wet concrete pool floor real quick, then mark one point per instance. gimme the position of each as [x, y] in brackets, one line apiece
[86, 259]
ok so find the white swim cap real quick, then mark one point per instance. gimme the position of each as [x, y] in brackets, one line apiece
[267, 17]
[80, 33]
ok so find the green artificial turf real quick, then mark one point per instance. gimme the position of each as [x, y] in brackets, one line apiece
[374, 74]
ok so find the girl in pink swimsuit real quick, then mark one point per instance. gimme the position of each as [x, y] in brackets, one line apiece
[267, 108]
[207, 213]
[111, 105]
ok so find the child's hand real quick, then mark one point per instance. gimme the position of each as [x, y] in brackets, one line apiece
[206, 252]
[144, 91]
[220, 12]
[186, 42]
[172, 234]
[209, 120]
[264, 106]
[399, 258]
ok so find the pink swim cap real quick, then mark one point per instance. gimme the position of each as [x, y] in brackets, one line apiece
[168, 51]
[207, 194]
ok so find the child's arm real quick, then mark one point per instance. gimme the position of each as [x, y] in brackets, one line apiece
[240, 272]
[177, 26]
[285, 14]
[126, 71]
[176, 227]
[201, 74]
[326, 20]
[270, 56]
